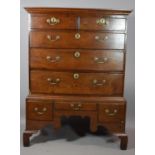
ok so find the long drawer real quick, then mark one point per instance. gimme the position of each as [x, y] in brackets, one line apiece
[74, 39]
[74, 59]
[76, 83]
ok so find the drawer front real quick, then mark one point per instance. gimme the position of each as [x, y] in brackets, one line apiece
[53, 21]
[69, 59]
[76, 83]
[112, 112]
[39, 111]
[72, 39]
[102, 23]
[75, 106]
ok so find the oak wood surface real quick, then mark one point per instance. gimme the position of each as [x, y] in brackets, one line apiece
[66, 22]
[48, 10]
[62, 84]
[69, 21]
[111, 116]
[75, 106]
[40, 114]
[67, 40]
[108, 60]
[108, 84]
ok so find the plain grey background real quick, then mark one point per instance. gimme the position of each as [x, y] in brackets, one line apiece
[129, 80]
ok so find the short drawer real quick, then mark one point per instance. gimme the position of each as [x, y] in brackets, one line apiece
[76, 83]
[53, 21]
[39, 111]
[102, 23]
[75, 106]
[69, 59]
[112, 112]
[74, 39]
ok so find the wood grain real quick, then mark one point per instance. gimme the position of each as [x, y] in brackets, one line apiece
[69, 85]
[68, 61]
[67, 40]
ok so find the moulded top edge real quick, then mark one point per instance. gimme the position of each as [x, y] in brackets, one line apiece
[45, 10]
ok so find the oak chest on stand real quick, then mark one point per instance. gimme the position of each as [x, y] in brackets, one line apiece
[76, 68]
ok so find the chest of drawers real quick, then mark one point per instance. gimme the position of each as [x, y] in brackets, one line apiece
[76, 68]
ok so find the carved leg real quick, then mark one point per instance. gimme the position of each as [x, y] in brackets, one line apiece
[124, 141]
[26, 137]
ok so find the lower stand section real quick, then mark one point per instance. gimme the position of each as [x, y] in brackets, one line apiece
[108, 112]
[27, 134]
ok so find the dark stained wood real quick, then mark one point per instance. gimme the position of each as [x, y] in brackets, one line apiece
[86, 41]
[26, 137]
[124, 140]
[55, 88]
[112, 85]
[68, 61]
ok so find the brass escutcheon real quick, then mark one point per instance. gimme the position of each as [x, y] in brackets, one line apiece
[76, 76]
[77, 54]
[77, 36]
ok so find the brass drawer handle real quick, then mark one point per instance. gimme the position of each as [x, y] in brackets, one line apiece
[107, 111]
[77, 36]
[76, 107]
[98, 83]
[100, 60]
[53, 81]
[76, 76]
[77, 54]
[40, 112]
[53, 21]
[56, 59]
[101, 21]
[98, 38]
[53, 39]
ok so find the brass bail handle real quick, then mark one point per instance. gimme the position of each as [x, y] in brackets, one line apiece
[101, 21]
[50, 38]
[50, 59]
[109, 113]
[40, 112]
[53, 21]
[53, 81]
[76, 107]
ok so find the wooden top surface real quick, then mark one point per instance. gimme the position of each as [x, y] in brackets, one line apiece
[74, 10]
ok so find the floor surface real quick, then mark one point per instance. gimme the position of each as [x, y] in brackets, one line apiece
[66, 141]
